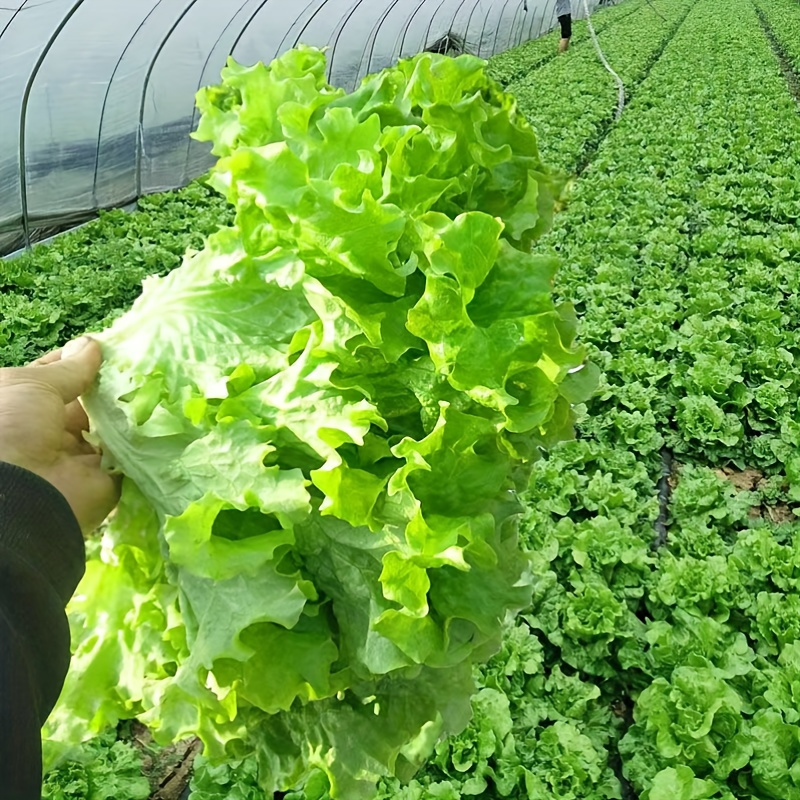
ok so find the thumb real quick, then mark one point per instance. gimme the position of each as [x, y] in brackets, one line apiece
[76, 370]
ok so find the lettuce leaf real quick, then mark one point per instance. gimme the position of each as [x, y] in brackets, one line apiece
[323, 418]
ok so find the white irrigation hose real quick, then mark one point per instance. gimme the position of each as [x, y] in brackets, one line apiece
[604, 60]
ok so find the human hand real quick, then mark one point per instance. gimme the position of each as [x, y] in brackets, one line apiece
[42, 425]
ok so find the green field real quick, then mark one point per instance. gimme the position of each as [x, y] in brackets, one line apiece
[660, 658]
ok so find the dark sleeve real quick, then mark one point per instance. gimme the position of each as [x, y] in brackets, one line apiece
[41, 562]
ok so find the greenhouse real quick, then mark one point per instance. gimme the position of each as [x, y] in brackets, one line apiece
[439, 420]
[98, 97]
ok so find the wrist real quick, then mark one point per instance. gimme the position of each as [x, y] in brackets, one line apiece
[39, 526]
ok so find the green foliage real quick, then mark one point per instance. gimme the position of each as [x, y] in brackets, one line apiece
[571, 100]
[60, 290]
[233, 781]
[321, 418]
[107, 770]
[521, 61]
[679, 249]
[784, 23]
[696, 633]
[535, 732]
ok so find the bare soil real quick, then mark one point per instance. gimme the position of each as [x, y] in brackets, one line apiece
[746, 480]
[169, 770]
[753, 480]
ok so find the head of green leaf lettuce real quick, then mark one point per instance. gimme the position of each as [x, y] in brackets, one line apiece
[322, 418]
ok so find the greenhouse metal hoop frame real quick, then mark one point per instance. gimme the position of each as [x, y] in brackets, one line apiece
[517, 31]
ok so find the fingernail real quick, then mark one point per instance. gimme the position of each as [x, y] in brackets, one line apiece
[74, 347]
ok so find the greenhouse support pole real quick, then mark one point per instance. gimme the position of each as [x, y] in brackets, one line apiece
[407, 26]
[533, 22]
[483, 31]
[333, 41]
[500, 24]
[373, 38]
[108, 93]
[200, 81]
[313, 16]
[13, 17]
[551, 15]
[430, 25]
[453, 24]
[455, 17]
[469, 21]
[23, 182]
[524, 19]
[252, 17]
[145, 86]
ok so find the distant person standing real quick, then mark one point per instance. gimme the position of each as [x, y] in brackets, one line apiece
[564, 13]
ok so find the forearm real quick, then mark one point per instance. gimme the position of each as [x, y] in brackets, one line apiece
[41, 562]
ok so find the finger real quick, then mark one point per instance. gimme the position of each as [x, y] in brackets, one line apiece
[75, 371]
[101, 493]
[55, 355]
[76, 421]
[77, 446]
[69, 444]
[91, 461]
